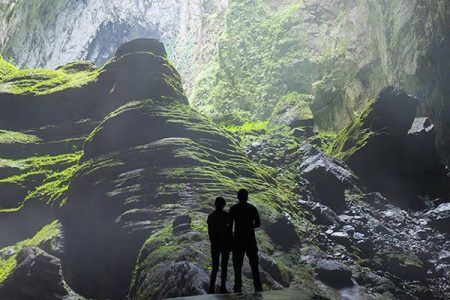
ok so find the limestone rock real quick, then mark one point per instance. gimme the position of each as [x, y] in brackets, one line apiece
[329, 177]
[38, 275]
[334, 273]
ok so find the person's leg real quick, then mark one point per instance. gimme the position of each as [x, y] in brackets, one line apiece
[224, 268]
[238, 260]
[253, 258]
[215, 255]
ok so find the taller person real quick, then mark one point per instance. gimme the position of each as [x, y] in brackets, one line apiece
[245, 219]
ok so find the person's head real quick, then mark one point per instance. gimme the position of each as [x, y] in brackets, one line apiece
[220, 203]
[242, 195]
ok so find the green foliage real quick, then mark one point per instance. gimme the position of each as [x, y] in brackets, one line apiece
[8, 262]
[353, 137]
[323, 140]
[244, 82]
[42, 81]
[54, 173]
[248, 127]
[298, 102]
[6, 69]
[10, 137]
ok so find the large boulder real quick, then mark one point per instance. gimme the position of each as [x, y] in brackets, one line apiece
[390, 152]
[328, 176]
[421, 165]
[37, 276]
[440, 217]
[334, 273]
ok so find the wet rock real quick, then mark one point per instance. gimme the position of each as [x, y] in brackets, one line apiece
[180, 279]
[422, 166]
[440, 217]
[386, 138]
[142, 45]
[181, 224]
[334, 273]
[376, 199]
[404, 265]
[269, 265]
[329, 177]
[341, 238]
[283, 233]
[37, 276]
[323, 215]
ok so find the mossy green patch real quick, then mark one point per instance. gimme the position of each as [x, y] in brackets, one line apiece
[47, 177]
[323, 140]
[8, 254]
[11, 137]
[247, 127]
[298, 102]
[353, 137]
[42, 81]
[6, 69]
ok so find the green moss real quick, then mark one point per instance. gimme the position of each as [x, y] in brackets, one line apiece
[323, 140]
[11, 137]
[247, 127]
[243, 82]
[6, 69]
[8, 263]
[53, 174]
[299, 102]
[54, 188]
[353, 137]
[41, 81]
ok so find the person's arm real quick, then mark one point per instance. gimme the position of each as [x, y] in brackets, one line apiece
[257, 220]
[210, 233]
[231, 221]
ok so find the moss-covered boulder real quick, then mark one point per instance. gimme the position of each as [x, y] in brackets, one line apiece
[293, 111]
[383, 150]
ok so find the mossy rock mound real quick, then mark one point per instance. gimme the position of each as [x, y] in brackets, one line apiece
[293, 111]
[168, 160]
[142, 45]
[34, 98]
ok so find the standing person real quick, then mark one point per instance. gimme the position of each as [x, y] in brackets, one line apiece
[245, 218]
[219, 231]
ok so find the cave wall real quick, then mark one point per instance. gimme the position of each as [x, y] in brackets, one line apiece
[238, 58]
[50, 33]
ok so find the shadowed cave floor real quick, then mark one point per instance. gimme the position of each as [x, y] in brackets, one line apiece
[354, 292]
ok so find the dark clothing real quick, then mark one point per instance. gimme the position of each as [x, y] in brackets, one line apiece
[220, 236]
[245, 218]
[219, 229]
[238, 261]
[215, 255]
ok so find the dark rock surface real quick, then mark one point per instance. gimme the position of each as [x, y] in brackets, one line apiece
[440, 217]
[393, 154]
[38, 276]
[329, 177]
[334, 273]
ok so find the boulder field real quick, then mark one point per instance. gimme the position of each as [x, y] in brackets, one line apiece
[107, 176]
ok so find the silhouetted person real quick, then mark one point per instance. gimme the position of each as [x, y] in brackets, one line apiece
[219, 230]
[245, 218]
